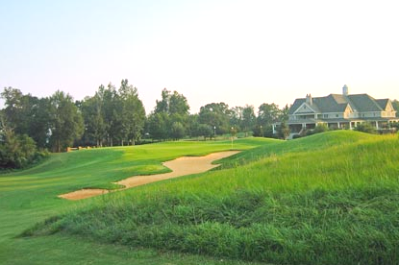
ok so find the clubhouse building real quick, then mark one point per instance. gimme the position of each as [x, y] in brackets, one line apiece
[339, 111]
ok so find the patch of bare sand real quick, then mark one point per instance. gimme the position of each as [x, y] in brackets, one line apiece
[182, 166]
[83, 194]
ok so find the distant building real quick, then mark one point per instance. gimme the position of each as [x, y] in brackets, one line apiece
[339, 112]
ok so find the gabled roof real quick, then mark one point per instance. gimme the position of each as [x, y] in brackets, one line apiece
[339, 103]
[331, 103]
[383, 103]
[364, 103]
[297, 103]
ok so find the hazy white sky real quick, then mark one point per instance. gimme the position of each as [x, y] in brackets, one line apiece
[237, 52]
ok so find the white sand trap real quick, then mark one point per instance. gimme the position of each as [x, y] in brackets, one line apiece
[182, 166]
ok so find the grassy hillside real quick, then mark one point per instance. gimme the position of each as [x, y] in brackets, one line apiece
[29, 197]
[326, 199]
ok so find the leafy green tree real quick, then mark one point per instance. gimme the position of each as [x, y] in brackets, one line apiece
[284, 113]
[110, 113]
[16, 151]
[158, 126]
[172, 103]
[236, 117]
[268, 114]
[66, 121]
[27, 115]
[177, 130]
[17, 109]
[192, 125]
[163, 104]
[283, 131]
[178, 104]
[132, 114]
[248, 119]
[172, 108]
[39, 126]
[205, 131]
[215, 115]
[93, 118]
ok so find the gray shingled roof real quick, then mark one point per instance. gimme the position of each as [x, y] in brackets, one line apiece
[297, 103]
[331, 103]
[382, 103]
[338, 103]
[364, 103]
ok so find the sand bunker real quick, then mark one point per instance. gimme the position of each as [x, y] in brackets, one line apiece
[83, 194]
[182, 166]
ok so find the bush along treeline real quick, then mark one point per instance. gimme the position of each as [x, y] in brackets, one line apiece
[17, 151]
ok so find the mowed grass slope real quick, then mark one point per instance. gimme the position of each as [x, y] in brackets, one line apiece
[331, 198]
[30, 196]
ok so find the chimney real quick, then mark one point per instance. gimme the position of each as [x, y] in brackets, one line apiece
[345, 90]
[309, 99]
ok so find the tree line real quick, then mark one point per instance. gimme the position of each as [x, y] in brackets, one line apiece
[171, 119]
[115, 116]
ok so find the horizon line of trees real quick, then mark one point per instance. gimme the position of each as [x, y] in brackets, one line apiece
[116, 116]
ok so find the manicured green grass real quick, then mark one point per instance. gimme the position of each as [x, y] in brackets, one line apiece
[316, 142]
[30, 197]
[331, 198]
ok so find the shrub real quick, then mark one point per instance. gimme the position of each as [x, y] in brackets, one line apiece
[18, 151]
[320, 128]
[366, 127]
